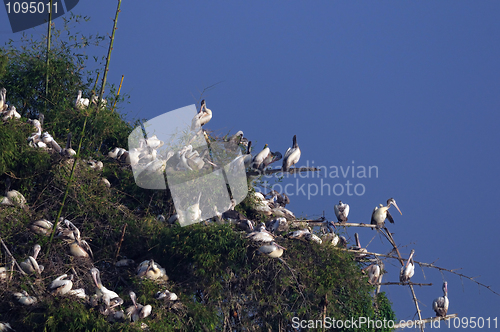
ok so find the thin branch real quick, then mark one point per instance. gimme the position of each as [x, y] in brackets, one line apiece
[402, 283]
[416, 306]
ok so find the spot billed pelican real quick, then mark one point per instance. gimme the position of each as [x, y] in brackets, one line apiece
[440, 305]
[292, 155]
[42, 227]
[79, 247]
[30, 265]
[137, 311]
[68, 151]
[59, 286]
[80, 102]
[203, 116]
[5, 327]
[341, 211]
[151, 270]
[408, 270]
[260, 157]
[272, 249]
[373, 271]
[13, 197]
[168, 296]
[102, 292]
[381, 213]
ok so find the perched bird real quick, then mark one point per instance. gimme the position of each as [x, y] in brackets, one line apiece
[341, 211]
[59, 286]
[79, 247]
[11, 113]
[440, 305]
[373, 271]
[30, 265]
[330, 237]
[202, 117]
[381, 213]
[260, 157]
[137, 311]
[25, 298]
[3, 273]
[193, 212]
[166, 295]
[42, 227]
[313, 238]
[299, 234]
[151, 270]
[360, 251]
[13, 197]
[81, 103]
[272, 249]
[68, 151]
[102, 292]
[292, 155]
[408, 270]
[277, 225]
[261, 235]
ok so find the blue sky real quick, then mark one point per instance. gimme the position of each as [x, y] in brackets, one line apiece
[409, 87]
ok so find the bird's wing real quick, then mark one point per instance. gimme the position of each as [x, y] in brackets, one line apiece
[390, 217]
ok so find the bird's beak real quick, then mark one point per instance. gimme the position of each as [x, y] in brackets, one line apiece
[396, 206]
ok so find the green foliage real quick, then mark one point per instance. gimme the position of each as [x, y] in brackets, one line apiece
[222, 281]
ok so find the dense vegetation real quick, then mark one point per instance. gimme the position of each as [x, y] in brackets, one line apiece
[221, 281]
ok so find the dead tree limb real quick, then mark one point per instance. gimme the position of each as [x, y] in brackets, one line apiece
[402, 283]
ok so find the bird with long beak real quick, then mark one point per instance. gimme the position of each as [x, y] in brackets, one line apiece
[203, 116]
[260, 157]
[272, 249]
[381, 213]
[59, 286]
[68, 151]
[260, 235]
[79, 247]
[440, 305]
[5, 327]
[341, 211]
[30, 265]
[137, 311]
[42, 227]
[292, 155]
[360, 251]
[408, 270]
[102, 292]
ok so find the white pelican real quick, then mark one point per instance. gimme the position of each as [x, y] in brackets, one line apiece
[11, 113]
[272, 249]
[79, 247]
[408, 270]
[260, 157]
[151, 270]
[440, 305]
[168, 296]
[51, 142]
[3, 95]
[102, 292]
[106, 182]
[5, 327]
[203, 116]
[80, 102]
[59, 286]
[300, 234]
[68, 151]
[373, 271]
[277, 225]
[313, 238]
[137, 311]
[79, 292]
[42, 227]
[30, 265]
[292, 155]
[25, 298]
[381, 213]
[341, 211]
[13, 197]
[261, 235]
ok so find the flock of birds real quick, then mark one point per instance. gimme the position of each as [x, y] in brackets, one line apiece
[186, 159]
